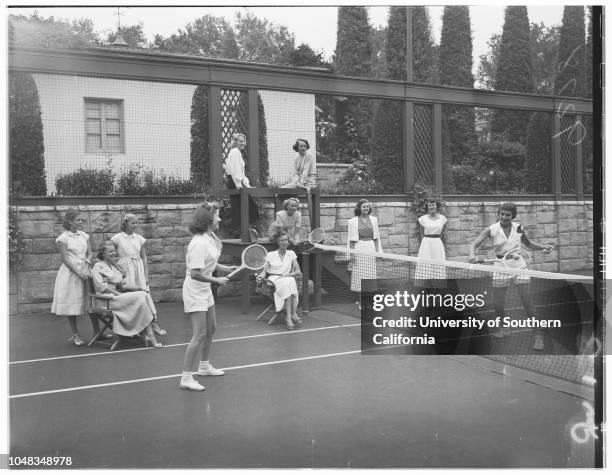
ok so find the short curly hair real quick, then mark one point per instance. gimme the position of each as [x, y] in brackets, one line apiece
[103, 245]
[296, 145]
[437, 202]
[357, 210]
[508, 207]
[289, 200]
[203, 217]
[127, 217]
[69, 216]
[277, 235]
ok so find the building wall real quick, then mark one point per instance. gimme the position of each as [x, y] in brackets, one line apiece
[568, 225]
[289, 116]
[156, 115]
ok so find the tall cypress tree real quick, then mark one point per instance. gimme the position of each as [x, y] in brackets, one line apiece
[455, 66]
[514, 73]
[571, 68]
[538, 176]
[353, 57]
[199, 144]
[26, 140]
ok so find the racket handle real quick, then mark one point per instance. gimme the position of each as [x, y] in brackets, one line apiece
[234, 272]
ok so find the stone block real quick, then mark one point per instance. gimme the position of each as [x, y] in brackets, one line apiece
[167, 295]
[569, 252]
[156, 258]
[36, 286]
[454, 224]
[585, 251]
[154, 246]
[43, 246]
[574, 212]
[328, 223]
[160, 268]
[327, 212]
[174, 253]
[398, 240]
[400, 211]
[39, 262]
[566, 239]
[160, 281]
[341, 225]
[46, 215]
[384, 233]
[550, 231]
[401, 228]
[183, 241]
[105, 221]
[178, 270]
[172, 232]
[37, 229]
[345, 213]
[413, 245]
[567, 225]
[27, 308]
[570, 265]
[546, 217]
[148, 230]
[168, 217]
[549, 267]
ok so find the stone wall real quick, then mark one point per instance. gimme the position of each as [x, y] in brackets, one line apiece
[568, 225]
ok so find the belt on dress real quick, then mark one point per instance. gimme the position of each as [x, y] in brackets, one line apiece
[500, 256]
[431, 235]
[366, 239]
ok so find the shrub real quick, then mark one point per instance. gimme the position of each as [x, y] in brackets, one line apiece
[16, 244]
[358, 179]
[138, 181]
[419, 196]
[86, 182]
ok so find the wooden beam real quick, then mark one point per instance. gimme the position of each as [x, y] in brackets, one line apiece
[409, 60]
[437, 148]
[148, 66]
[253, 137]
[556, 157]
[578, 149]
[214, 133]
[408, 139]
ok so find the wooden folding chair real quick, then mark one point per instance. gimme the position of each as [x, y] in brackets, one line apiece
[267, 289]
[100, 311]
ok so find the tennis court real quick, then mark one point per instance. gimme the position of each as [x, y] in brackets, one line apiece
[301, 399]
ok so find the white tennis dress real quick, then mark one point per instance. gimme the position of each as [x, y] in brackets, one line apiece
[278, 268]
[203, 253]
[501, 245]
[431, 248]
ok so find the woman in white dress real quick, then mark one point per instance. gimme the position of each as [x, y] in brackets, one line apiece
[289, 221]
[70, 293]
[506, 235]
[363, 235]
[201, 261]
[133, 259]
[281, 268]
[432, 230]
[133, 308]
[304, 167]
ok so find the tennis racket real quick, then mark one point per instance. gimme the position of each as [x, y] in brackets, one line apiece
[513, 259]
[253, 235]
[253, 258]
[316, 236]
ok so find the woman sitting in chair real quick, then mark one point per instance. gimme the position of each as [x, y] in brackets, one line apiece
[281, 268]
[133, 308]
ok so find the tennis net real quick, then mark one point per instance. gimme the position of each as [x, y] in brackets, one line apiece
[540, 321]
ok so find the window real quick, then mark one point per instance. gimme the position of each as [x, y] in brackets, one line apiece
[104, 125]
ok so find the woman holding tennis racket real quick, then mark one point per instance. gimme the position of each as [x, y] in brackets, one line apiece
[281, 268]
[507, 237]
[201, 261]
[432, 230]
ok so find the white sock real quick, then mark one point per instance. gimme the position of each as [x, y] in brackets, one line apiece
[204, 364]
[187, 376]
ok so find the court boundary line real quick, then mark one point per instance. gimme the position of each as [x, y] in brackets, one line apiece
[177, 375]
[220, 340]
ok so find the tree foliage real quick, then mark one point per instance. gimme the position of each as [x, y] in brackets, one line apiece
[571, 77]
[538, 176]
[51, 32]
[133, 35]
[455, 64]
[26, 139]
[262, 41]
[200, 140]
[513, 72]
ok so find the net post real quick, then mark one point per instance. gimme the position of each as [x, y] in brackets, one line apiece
[244, 215]
[305, 281]
[316, 223]
[245, 297]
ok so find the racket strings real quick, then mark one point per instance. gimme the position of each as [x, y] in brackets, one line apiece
[254, 257]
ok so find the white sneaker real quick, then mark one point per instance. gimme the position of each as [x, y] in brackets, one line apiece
[210, 371]
[192, 385]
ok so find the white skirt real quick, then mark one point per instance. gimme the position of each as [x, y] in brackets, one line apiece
[431, 248]
[285, 287]
[363, 267]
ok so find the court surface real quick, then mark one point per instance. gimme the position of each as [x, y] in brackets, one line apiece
[300, 399]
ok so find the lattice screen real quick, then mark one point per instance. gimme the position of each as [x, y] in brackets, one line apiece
[423, 144]
[233, 116]
[568, 156]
